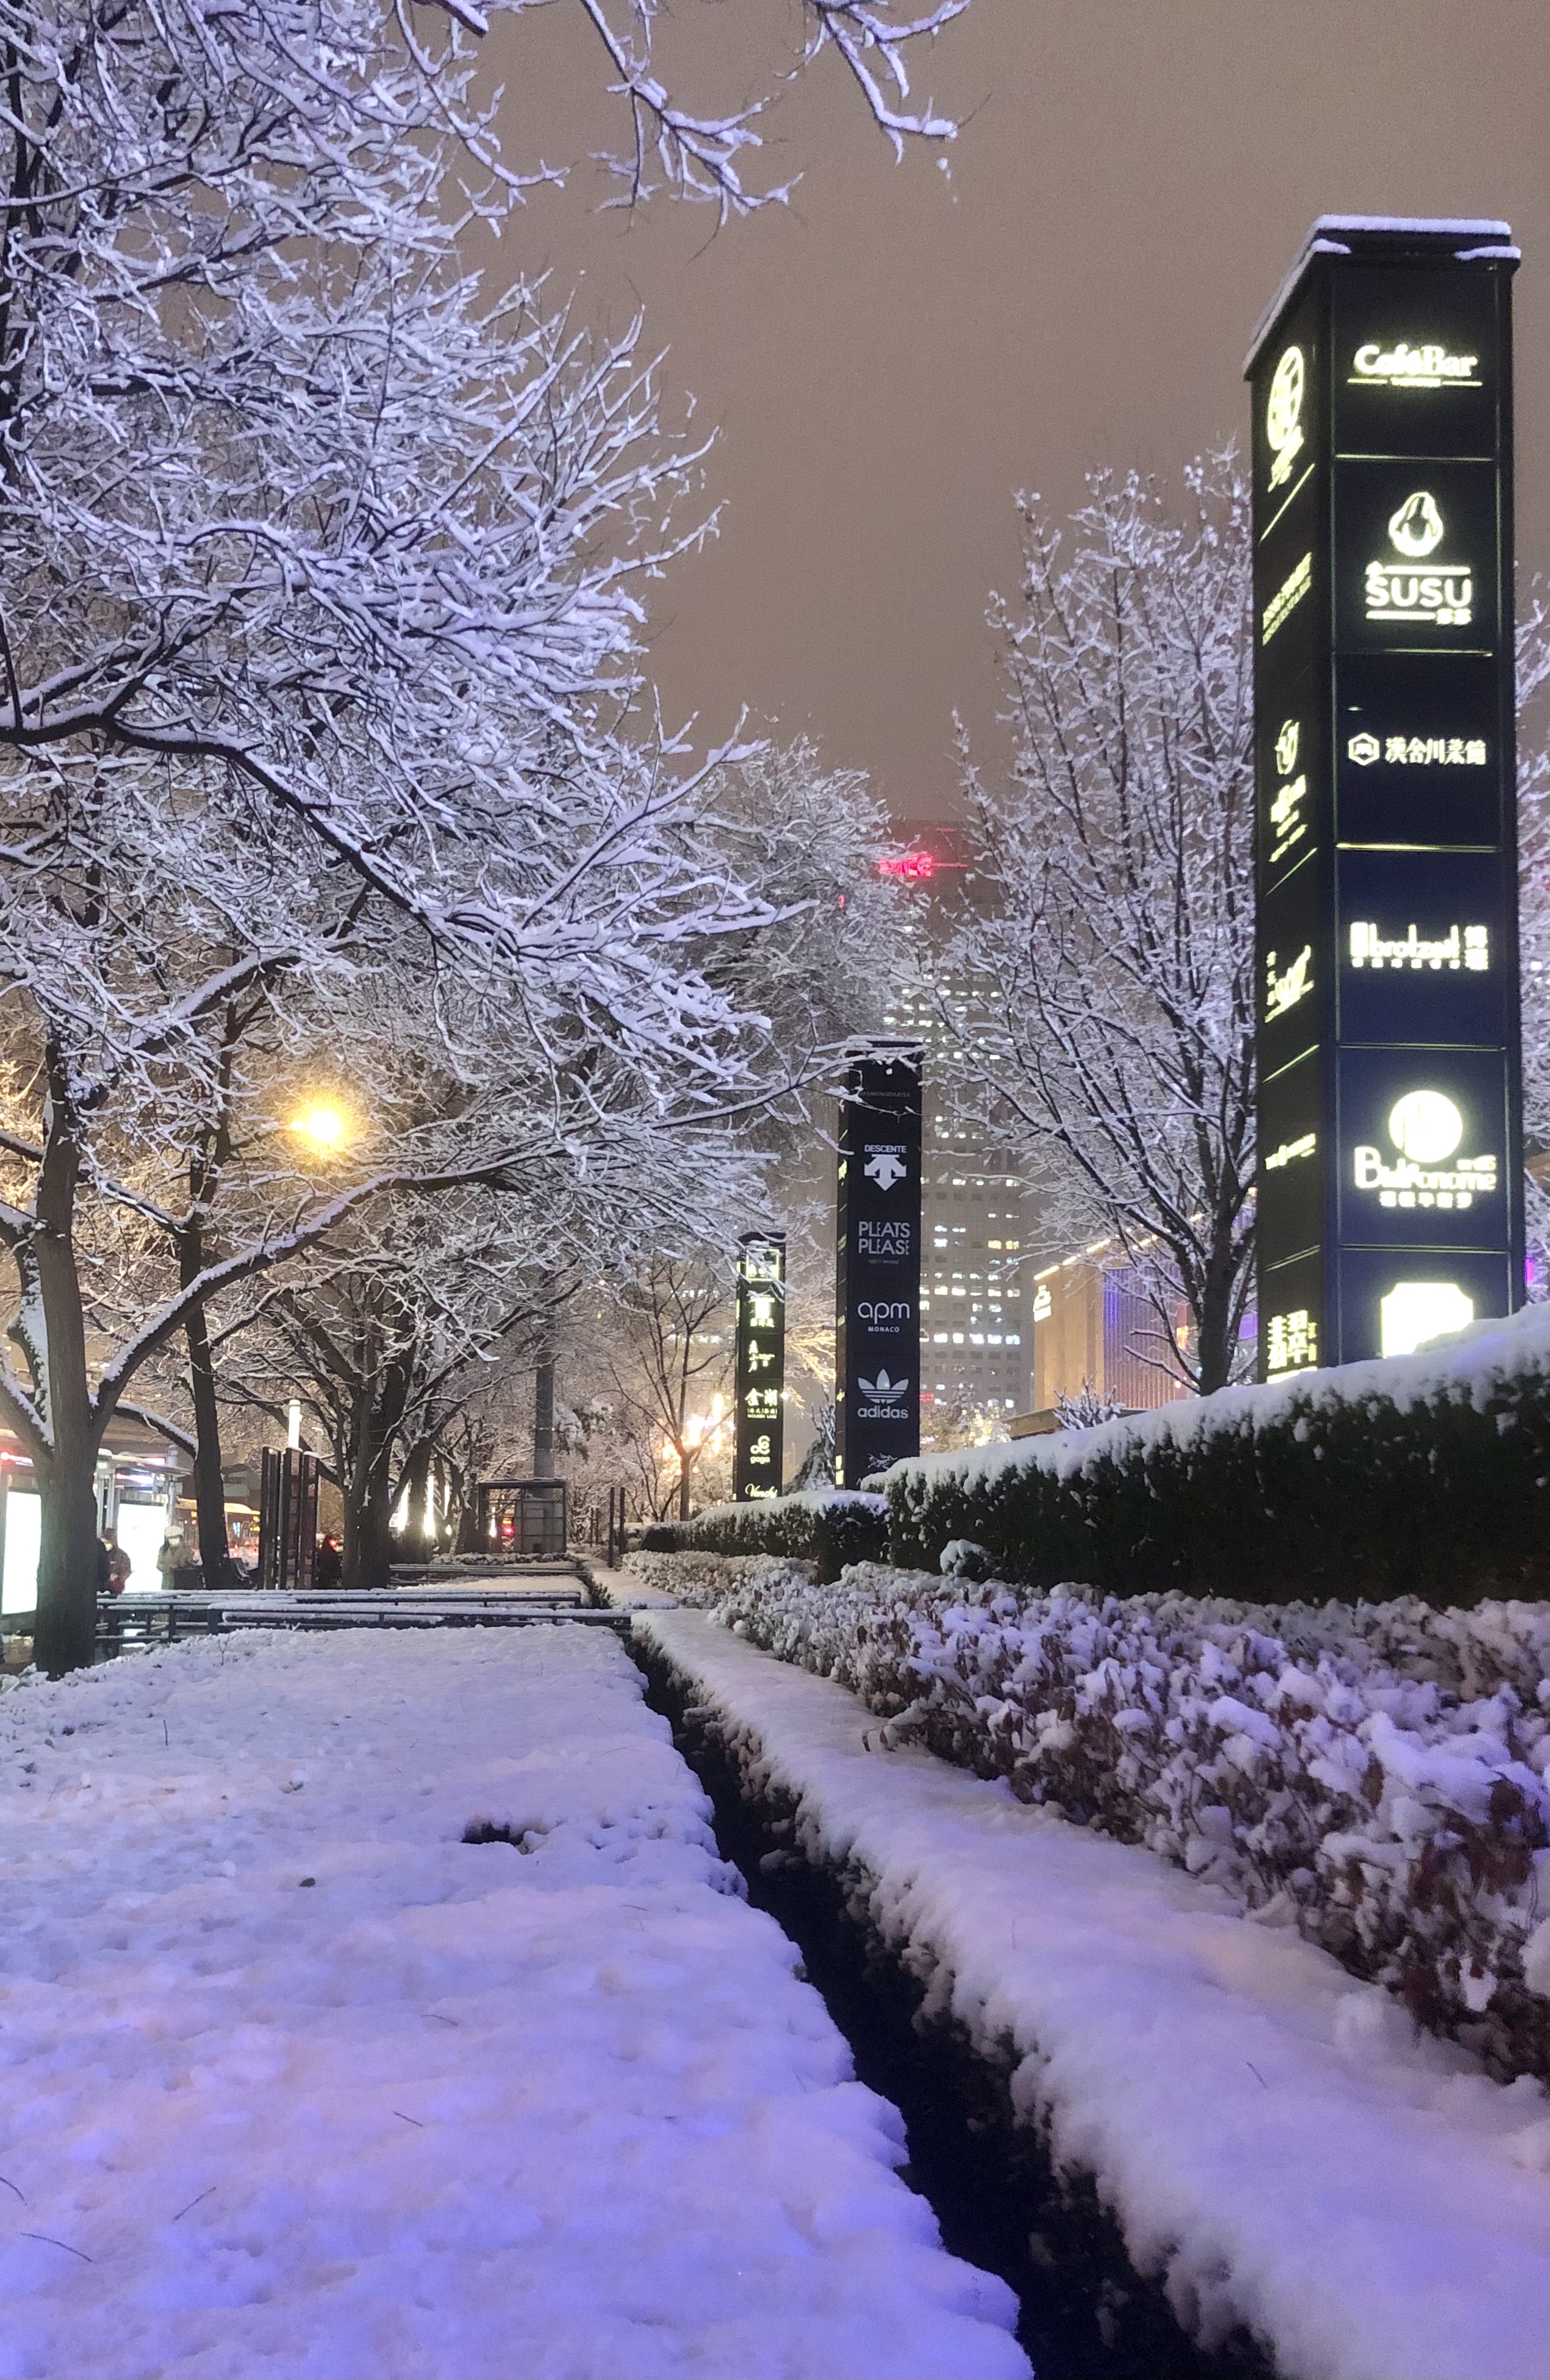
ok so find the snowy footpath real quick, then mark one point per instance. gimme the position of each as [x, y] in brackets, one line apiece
[295, 2081]
[1269, 2133]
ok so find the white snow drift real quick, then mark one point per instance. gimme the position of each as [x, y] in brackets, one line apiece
[297, 2083]
[1269, 2133]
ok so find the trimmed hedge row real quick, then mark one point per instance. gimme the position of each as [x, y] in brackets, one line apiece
[1424, 1475]
[1374, 1776]
[830, 1529]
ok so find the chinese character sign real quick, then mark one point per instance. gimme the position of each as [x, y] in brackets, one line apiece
[1390, 1194]
[761, 1365]
[876, 1403]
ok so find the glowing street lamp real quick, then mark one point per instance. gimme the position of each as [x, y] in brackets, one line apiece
[323, 1125]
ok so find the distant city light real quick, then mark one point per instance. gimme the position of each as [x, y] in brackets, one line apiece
[915, 867]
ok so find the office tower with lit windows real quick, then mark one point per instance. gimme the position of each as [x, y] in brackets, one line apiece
[975, 1348]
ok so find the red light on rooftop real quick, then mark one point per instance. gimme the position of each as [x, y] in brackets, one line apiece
[915, 867]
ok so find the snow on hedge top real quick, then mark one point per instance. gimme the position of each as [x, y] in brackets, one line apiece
[807, 1500]
[1474, 1363]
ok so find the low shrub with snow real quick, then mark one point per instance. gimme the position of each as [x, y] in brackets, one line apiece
[1375, 1774]
[830, 1526]
[1425, 1473]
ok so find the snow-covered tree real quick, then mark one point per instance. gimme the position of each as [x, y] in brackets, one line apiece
[318, 573]
[383, 1343]
[811, 838]
[1111, 973]
[670, 1356]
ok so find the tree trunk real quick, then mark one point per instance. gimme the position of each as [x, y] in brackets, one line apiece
[1216, 1345]
[368, 1560]
[67, 1629]
[465, 1538]
[65, 1635]
[205, 1170]
[368, 1490]
[367, 1551]
[414, 1478]
[209, 1493]
[686, 1466]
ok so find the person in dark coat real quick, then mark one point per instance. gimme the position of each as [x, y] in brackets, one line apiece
[331, 1563]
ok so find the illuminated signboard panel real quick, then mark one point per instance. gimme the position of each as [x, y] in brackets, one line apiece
[1291, 1171]
[759, 1459]
[877, 1416]
[1387, 960]
[1431, 974]
[1418, 755]
[1418, 570]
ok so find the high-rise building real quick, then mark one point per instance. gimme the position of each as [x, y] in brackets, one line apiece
[975, 1348]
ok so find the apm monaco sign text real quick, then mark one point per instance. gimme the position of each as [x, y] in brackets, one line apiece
[877, 1265]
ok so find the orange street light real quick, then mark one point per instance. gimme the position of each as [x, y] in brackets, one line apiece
[323, 1125]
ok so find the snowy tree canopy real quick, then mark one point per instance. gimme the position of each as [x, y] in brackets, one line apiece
[1114, 970]
[320, 575]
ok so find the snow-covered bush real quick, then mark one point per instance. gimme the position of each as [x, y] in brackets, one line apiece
[830, 1526]
[1373, 1776]
[1426, 1474]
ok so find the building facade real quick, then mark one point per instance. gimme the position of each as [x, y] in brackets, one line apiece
[1095, 1328]
[975, 1351]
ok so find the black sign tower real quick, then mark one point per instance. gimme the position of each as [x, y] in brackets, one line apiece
[1390, 1203]
[877, 1306]
[759, 1459]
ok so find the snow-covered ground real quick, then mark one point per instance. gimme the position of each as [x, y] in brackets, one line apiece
[295, 2081]
[1268, 2132]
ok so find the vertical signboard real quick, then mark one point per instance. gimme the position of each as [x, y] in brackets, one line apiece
[1390, 1203]
[877, 1314]
[759, 1463]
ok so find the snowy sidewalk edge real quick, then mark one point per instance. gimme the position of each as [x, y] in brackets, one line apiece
[1267, 2130]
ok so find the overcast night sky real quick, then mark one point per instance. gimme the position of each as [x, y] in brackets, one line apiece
[888, 358]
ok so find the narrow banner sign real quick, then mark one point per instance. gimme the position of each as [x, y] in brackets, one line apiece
[761, 1365]
[876, 1403]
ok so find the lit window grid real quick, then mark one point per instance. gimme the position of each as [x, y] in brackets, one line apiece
[959, 1208]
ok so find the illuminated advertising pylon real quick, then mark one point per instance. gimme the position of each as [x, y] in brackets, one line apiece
[876, 1397]
[1391, 1134]
[759, 1460]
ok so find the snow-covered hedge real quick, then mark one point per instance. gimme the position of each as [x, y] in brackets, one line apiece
[830, 1526]
[1426, 1474]
[1373, 1776]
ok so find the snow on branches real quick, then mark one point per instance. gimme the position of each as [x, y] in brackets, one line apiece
[320, 581]
[1113, 970]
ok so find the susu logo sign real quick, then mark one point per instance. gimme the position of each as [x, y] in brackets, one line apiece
[1442, 596]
